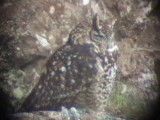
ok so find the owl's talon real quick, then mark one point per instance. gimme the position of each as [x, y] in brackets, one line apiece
[71, 114]
[74, 114]
[65, 113]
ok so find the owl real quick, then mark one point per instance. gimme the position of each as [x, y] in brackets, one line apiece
[80, 74]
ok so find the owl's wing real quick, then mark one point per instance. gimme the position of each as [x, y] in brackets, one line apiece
[69, 72]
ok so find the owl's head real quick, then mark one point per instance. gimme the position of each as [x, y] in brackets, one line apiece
[101, 32]
[98, 32]
[79, 35]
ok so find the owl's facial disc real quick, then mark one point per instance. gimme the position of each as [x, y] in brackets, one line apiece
[97, 34]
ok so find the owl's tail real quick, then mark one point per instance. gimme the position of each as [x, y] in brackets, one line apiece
[35, 98]
[30, 102]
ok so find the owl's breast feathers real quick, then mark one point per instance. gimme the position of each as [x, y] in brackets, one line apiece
[69, 72]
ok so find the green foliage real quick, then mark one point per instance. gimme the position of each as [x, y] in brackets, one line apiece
[126, 102]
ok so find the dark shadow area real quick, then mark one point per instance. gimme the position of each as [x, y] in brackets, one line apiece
[6, 63]
[5, 106]
[2, 2]
[155, 110]
[7, 54]
[156, 10]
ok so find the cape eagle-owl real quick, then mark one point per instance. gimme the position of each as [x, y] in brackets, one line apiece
[79, 74]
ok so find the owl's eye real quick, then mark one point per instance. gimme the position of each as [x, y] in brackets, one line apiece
[100, 35]
[98, 29]
[96, 36]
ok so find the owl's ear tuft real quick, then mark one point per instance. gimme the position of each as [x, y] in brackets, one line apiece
[95, 23]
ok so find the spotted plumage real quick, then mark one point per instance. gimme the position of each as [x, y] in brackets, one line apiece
[79, 74]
